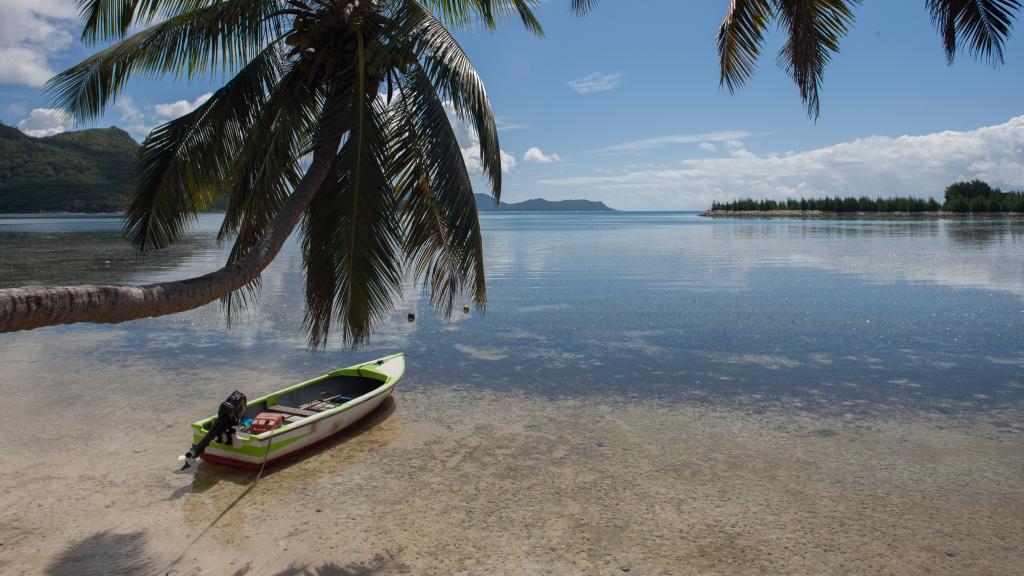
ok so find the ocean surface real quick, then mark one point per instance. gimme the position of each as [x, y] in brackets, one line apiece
[818, 315]
[645, 394]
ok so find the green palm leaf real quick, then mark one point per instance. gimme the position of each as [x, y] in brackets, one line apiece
[453, 76]
[980, 26]
[183, 161]
[265, 170]
[814, 29]
[351, 235]
[462, 13]
[223, 36]
[740, 38]
[267, 164]
[580, 7]
[112, 19]
[440, 223]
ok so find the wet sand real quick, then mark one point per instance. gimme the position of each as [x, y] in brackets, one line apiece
[448, 480]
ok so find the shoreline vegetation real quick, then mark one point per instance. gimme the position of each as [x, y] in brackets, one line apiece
[970, 199]
[937, 215]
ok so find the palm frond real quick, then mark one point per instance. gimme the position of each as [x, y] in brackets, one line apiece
[581, 7]
[814, 29]
[264, 172]
[740, 38]
[453, 76]
[267, 164]
[351, 236]
[489, 13]
[222, 36]
[104, 20]
[183, 161]
[979, 26]
[440, 223]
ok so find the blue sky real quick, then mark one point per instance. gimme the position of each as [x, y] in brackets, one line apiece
[623, 105]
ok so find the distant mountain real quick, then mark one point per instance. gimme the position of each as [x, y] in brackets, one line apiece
[484, 203]
[93, 171]
[83, 171]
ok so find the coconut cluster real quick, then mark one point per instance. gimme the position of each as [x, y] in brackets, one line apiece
[328, 43]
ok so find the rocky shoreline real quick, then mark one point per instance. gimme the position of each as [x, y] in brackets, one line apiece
[861, 215]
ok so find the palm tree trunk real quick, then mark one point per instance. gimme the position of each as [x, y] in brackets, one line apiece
[35, 306]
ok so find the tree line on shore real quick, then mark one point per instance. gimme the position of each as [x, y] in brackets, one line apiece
[968, 196]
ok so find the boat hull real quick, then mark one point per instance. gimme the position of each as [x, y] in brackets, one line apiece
[255, 451]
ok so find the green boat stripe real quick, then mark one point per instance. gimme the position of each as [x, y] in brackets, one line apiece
[257, 451]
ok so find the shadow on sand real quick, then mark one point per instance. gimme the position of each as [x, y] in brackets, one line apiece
[105, 553]
[380, 565]
[208, 475]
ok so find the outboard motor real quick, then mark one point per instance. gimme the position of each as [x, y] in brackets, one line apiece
[229, 415]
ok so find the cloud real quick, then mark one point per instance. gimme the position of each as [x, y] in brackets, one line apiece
[16, 109]
[595, 82]
[708, 147]
[171, 110]
[534, 154]
[139, 119]
[31, 34]
[504, 125]
[730, 137]
[874, 166]
[134, 120]
[43, 122]
[469, 143]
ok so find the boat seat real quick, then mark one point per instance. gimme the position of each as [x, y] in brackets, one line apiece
[291, 410]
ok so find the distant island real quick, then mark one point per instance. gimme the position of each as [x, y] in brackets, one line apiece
[962, 199]
[82, 171]
[485, 203]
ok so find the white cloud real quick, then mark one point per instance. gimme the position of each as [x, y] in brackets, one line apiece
[139, 119]
[508, 162]
[128, 109]
[534, 154]
[734, 145]
[504, 125]
[708, 147]
[469, 143]
[32, 32]
[874, 166]
[730, 137]
[595, 82]
[16, 109]
[171, 110]
[43, 122]
[133, 119]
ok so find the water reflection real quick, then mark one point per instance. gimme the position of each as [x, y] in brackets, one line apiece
[981, 234]
[827, 315]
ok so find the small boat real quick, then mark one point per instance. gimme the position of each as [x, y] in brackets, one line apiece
[305, 415]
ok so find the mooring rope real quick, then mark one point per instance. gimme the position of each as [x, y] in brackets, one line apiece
[233, 503]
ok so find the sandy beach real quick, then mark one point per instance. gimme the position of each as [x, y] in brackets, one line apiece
[446, 480]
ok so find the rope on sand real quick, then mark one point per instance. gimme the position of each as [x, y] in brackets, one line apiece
[227, 509]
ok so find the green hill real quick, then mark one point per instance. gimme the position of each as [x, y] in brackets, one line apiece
[83, 171]
[485, 203]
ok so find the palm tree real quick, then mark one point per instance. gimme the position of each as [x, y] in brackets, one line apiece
[356, 86]
[387, 186]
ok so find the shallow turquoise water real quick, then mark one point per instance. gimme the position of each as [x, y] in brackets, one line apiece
[833, 316]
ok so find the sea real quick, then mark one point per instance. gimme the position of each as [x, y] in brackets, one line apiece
[645, 393]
